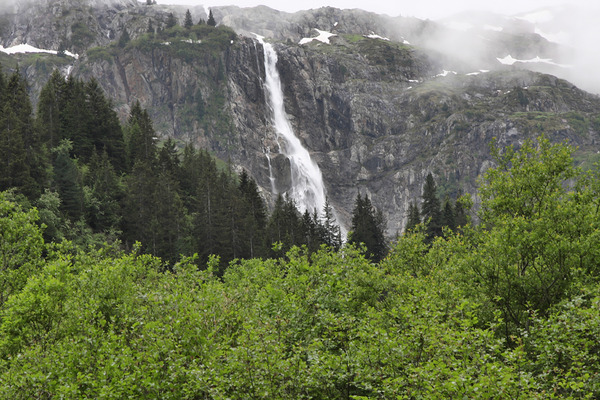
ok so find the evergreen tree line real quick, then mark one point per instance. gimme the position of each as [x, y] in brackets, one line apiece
[435, 216]
[94, 180]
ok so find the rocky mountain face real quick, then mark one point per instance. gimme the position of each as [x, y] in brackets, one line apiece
[378, 107]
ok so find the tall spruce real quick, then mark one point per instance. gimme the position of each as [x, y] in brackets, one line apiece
[332, 236]
[140, 136]
[448, 217]
[211, 19]
[414, 217]
[67, 181]
[104, 128]
[48, 110]
[431, 209]
[188, 23]
[171, 21]
[23, 160]
[368, 227]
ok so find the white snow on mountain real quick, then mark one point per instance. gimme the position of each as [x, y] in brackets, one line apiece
[446, 73]
[323, 37]
[510, 60]
[375, 36]
[26, 48]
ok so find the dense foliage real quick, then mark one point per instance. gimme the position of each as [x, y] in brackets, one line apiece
[506, 309]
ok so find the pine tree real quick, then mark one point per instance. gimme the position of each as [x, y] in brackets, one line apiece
[48, 113]
[104, 211]
[211, 19]
[125, 38]
[414, 217]
[171, 21]
[139, 215]
[332, 233]
[430, 210]
[140, 136]
[448, 218]
[75, 119]
[14, 171]
[67, 181]
[188, 23]
[460, 213]
[104, 128]
[368, 227]
[22, 149]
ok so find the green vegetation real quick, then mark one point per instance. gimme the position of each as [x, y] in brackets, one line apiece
[191, 43]
[509, 308]
[105, 53]
[81, 36]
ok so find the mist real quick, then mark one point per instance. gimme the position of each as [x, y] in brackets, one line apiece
[564, 37]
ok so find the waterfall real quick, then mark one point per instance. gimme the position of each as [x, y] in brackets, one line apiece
[307, 189]
[271, 176]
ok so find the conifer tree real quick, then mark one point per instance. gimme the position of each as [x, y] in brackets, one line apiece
[104, 128]
[104, 211]
[139, 215]
[448, 218]
[75, 119]
[188, 23]
[14, 171]
[48, 113]
[460, 213]
[171, 21]
[141, 136]
[430, 209]
[368, 227]
[414, 217]
[211, 19]
[332, 233]
[67, 181]
[21, 148]
[125, 38]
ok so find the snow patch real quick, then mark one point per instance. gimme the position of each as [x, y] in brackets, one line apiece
[26, 48]
[192, 41]
[446, 73]
[373, 35]
[335, 24]
[404, 41]
[481, 71]
[510, 60]
[323, 37]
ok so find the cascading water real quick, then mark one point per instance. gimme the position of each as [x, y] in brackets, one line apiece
[271, 176]
[307, 188]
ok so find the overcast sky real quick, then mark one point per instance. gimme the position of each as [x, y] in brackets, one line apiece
[433, 9]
